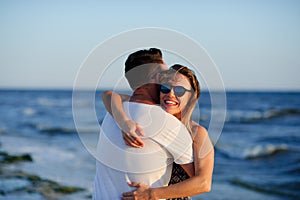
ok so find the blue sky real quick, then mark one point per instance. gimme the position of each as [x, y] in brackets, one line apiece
[255, 44]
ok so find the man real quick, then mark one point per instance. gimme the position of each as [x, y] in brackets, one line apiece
[166, 139]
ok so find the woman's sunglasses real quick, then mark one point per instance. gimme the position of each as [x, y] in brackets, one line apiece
[179, 91]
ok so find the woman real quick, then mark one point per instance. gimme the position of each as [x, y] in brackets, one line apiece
[179, 93]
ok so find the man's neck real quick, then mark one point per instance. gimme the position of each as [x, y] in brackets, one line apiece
[147, 94]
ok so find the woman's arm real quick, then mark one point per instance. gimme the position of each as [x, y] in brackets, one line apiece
[113, 104]
[200, 183]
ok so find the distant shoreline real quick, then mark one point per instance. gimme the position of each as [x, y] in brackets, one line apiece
[128, 91]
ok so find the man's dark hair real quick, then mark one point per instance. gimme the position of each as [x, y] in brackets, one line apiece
[141, 57]
[140, 65]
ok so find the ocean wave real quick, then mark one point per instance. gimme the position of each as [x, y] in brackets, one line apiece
[245, 116]
[288, 139]
[255, 152]
[281, 189]
[254, 116]
[292, 169]
[43, 128]
[262, 151]
[57, 130]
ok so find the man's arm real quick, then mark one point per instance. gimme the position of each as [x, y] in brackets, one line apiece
[113, 103]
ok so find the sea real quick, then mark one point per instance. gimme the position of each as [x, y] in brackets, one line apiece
[257, 155]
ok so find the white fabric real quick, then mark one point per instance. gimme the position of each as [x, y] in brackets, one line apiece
[166, 140]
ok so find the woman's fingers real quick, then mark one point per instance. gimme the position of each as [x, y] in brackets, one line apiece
[134, 184]
[130, 131]
[138, 141]
[129, 141]
[131, 194]
[139, 130]
[134, 134]
[127, 194]
[141, 192]
[133, 141]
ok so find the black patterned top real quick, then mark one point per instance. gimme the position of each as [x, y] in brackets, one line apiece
[178, 175]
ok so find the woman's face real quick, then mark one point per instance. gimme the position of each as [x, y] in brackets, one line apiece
[172, 103]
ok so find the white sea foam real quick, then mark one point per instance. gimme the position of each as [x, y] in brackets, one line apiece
[53, 102]
[263, 150]
[29, 111]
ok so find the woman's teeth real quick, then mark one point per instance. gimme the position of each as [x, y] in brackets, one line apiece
[170, 102]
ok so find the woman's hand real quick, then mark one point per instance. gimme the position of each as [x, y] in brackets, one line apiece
[143, 192]
[131, 132]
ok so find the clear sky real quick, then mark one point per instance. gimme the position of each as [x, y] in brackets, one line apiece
[255, 44]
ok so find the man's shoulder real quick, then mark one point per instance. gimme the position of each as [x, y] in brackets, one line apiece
[151, 116]
[138, 104]
[154, 110]
[143, 107]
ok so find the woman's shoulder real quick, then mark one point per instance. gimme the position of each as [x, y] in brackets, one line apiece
[198, 129]
[199, 132]
[201, 140]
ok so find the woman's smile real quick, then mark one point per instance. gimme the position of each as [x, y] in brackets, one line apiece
[170, 103]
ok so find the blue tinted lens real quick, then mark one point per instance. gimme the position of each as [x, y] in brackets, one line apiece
[165, 89]
[179, 91]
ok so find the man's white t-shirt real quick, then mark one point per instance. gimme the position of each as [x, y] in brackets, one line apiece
[166, 141]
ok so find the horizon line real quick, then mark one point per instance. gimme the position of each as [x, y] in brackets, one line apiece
[103, 89]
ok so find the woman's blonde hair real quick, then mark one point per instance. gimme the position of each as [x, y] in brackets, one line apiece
[169, 75]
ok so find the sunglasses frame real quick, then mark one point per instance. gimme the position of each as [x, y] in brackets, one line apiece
[170, 87]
